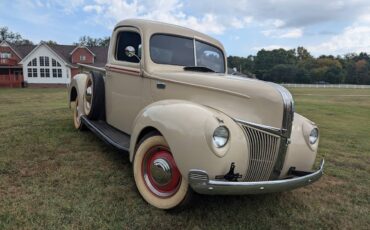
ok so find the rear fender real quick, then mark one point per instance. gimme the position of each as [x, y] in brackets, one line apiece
[188, 129]
[76, 90]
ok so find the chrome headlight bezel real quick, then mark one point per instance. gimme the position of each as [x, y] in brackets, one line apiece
[221, 136]
[314, 136]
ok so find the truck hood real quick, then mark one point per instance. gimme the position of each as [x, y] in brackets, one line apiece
[245, 99]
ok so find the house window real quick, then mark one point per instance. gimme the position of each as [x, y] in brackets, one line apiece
[54, 62]
[29, 73]
[59, 73]
[42, 72]
[33, 62]
[55, 73]
[82, 58]
[42, 61]
[47, 72]
[46, 61]
[34, 72]
[5, 55]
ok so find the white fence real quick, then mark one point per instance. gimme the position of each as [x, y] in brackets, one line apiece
[345, 86]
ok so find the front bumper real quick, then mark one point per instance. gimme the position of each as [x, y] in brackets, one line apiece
[200, 182]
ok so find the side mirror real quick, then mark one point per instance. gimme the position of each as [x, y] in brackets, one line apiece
[130, 51]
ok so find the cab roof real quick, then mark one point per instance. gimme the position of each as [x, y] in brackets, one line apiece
[150, 27]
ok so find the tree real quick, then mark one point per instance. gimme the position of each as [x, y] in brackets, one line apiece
[50, 42]
[303, 54]
[266, 60]
[327, 69]
[362, 72]
[89, 41]
[11, 37]
[242, 64]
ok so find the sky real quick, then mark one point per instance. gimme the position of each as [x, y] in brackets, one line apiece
[334, 27]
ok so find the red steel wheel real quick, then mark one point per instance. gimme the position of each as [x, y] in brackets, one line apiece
[160, 172]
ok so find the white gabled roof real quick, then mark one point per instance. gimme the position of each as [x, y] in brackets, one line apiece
[50, 49]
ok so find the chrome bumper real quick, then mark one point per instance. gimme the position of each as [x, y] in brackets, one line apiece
[200, 182]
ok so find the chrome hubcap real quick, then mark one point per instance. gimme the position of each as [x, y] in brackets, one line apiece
[160, 173]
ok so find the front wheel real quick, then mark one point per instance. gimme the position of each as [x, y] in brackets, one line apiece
[156, 175]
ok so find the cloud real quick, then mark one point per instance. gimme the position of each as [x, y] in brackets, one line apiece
[110, 12]
[354, 38]
[293, 33]
[271, 47]
[93, 8]
[67, 6]
[283, 33]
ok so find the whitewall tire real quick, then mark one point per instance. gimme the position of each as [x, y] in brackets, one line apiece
[77, 116]
[156, 175]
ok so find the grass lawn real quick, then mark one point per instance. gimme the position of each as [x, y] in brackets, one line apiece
[54, 177]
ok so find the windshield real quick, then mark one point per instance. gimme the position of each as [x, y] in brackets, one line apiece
[174, 50]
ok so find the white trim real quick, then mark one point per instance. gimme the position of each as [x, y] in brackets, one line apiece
[42, 44]
[82, 47]
[7, 45]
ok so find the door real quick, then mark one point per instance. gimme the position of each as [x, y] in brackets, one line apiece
[124, 84]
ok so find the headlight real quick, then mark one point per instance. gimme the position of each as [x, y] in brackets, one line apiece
[220, 136]
[314, 135]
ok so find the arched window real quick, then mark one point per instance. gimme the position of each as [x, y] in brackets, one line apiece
[54, 63]
[33, 62]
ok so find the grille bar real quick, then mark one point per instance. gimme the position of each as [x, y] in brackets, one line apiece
[263, 150]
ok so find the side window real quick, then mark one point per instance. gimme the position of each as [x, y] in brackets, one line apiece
[124, 39]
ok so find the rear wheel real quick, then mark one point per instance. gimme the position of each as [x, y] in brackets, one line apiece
[94, 96]
[77, 116]
[157, 177]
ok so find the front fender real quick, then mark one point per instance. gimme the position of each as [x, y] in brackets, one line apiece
[300, 153]
[188, 128]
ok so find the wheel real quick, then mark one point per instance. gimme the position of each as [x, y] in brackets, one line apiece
[94, 96]
[77, 117]
[157, 177]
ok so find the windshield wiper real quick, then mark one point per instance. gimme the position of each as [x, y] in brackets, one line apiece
[199, 69]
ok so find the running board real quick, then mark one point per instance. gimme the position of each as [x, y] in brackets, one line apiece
[108, 134]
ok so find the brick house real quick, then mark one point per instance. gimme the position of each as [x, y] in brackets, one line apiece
[45, 65]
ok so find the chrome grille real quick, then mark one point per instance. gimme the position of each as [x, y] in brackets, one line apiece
[263, 150]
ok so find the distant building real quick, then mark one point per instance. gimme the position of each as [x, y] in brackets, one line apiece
[45, 65]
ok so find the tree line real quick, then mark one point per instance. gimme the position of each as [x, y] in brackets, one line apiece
[299, 66]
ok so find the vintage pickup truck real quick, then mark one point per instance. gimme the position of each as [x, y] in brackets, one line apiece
[165, 98]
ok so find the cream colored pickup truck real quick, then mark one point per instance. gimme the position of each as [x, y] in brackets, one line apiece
[165, 98]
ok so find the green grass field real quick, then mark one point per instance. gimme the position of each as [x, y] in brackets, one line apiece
[54, 177]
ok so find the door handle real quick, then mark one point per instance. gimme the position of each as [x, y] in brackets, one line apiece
[161, 85]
